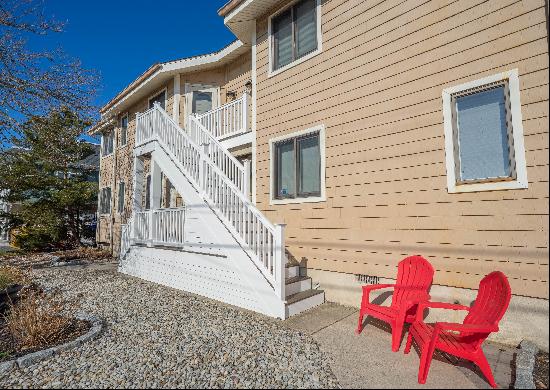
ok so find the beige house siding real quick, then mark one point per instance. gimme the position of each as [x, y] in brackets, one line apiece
[376, 86]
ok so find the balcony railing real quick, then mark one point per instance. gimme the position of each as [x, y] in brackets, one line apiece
[228, 120]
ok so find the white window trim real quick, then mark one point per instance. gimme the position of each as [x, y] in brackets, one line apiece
[125, 115]
[101, 146]
[313, 199]
[270, 71]
[521, 181]
[158, 92]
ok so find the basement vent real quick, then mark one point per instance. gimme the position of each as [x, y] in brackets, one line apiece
[368, 279]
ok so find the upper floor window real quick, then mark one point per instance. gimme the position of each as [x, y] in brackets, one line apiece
[298, 167]
[107, 144]
[124, 130]
[295, 34]
[105, 200]
[160, 99]
[484, 135]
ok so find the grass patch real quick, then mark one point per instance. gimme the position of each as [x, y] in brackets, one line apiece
[11, 275]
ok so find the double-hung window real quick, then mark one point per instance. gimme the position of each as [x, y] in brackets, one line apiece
[120, 203]
[298, 168]
[484, 135]
[105, 200]
[294, 33]
[124, 130]
[107, 143]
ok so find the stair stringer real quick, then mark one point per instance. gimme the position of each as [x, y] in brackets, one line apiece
[216, 267]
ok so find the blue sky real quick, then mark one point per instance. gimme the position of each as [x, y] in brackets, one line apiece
[122, 38]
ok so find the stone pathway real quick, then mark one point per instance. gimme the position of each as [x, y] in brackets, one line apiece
[160, 337]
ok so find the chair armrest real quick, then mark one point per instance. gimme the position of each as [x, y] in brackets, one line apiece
[437, 305]
[377, 287]
[367, 289]
[465, 328]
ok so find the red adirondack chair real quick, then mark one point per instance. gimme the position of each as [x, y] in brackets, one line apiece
[463, 340]
[414, 278]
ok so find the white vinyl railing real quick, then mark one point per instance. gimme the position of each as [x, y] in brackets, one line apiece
[126, 237]
[220, 156]
[142, 226]
[168, 225]
[228, 120]
[263, 241]
[160, 226]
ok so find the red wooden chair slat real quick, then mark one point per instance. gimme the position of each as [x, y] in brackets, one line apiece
[463, 340]
[414, 278]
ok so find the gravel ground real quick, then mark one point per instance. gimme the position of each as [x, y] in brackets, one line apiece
[540, 376]
[160, 337]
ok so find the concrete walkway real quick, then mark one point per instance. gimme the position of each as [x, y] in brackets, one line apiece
[366, 361]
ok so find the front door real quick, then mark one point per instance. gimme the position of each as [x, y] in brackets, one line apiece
[200, 98]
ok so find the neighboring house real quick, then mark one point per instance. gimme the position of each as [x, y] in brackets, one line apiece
[373, 130]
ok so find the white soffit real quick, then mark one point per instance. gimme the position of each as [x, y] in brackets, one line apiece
[241, 19]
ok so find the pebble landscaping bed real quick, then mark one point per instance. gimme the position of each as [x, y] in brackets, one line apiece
[160, 337]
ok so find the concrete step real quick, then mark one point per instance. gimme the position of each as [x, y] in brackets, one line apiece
[303, 301]
[292, 271]
[297, 284]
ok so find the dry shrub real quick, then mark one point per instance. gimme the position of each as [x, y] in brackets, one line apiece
[11, 275]
[38, 320]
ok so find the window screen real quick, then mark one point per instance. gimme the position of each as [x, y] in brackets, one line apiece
[124, 130]
[107, 144]
[294, 33]
[105, 200]
[483, 135]
[298, 167]
[202, 102]
[121, 190]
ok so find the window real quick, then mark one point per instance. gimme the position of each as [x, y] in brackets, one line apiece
[148, 193]
[298, 167]
[295, 34]
[202, 102]
[105, 200]
[484, 135]
[121, 189]
[160, 99]
[107, 144]
[124, 130]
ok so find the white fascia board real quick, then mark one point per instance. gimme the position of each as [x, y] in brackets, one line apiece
[178, 66]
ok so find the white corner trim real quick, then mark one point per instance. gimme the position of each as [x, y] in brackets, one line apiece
[521, 181]
[313, 199]
[254, 76]
[270, 71]
[176, 100]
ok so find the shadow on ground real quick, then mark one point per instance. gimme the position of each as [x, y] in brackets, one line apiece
[366, 360]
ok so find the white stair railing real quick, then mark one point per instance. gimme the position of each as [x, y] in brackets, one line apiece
[228, 120]
[220, 156]
[263, 241]
[168, 226]
[142, 226]
[126, 237]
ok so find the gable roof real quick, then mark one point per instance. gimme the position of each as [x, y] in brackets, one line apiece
[157, 75]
